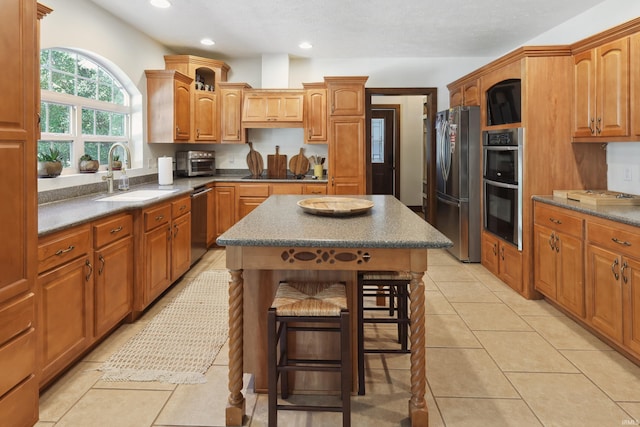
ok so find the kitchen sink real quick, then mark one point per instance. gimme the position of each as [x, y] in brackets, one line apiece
[137, 196]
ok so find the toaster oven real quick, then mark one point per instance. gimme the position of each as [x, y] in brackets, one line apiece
[196, 163]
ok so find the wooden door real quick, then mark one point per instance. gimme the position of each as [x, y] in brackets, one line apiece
[182, 110]
[511, 266]
[385, 158]
[613, 89]
[490, 252]
[584, 94]
[570, 278]
[315, 113]
[180, 246]
[225, 200]
[113, 284]
[206, 117]
[65, 315]
[631, 296]
[231, 106]
[544, 261]
[346, 99]
[346, 156]
[211, 218]
[157, 262]
[603, 291]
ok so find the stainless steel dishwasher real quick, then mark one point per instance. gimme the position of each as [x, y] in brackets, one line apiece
[199, 223]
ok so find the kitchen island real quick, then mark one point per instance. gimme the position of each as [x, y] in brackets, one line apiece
[278, 240]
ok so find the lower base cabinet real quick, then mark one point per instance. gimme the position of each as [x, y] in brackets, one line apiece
[502, 259]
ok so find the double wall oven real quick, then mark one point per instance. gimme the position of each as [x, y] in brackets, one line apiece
[502, 181]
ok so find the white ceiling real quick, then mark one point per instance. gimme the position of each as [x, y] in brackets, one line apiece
[347, 28]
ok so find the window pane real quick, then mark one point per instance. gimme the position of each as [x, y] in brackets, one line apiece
[377, 140]
[119, 96]
[105, 93]
[87, 68]
[88, 122]
[102, 123]
[117, 124]
[63, 83]
[98, 150]
[56, 118]
[64, 147]
[44, 78]
[87, 88]
[63, 61]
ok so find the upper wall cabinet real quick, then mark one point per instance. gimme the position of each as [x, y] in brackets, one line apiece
[315, 113]
[464, 94]
[601, 91]
[273, 108]
[168, 106]
[346, 96]
[231, 130]
[207, 74]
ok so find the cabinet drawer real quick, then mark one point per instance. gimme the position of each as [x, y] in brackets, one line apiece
[253, 190]
[286, 188]
[22, 403]
[558, 219]
[612, 237]
[155, 217]
[17, 360]
[62, 247]
[315, 189]
[16, 317]
[180, 207]
[111, 230]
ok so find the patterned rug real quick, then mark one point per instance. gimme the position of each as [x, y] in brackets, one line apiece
[180, 343]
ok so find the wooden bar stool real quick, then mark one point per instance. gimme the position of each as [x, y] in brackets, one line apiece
[307, 306]
[391, 285]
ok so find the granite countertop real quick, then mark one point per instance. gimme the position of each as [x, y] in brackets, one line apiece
[55, 216]
[280, 222]
[623, 214]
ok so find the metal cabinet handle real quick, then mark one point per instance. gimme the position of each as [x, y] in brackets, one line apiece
[624, 267]
[557, 243]
[159, 217]
[502, 253]
[116, 230]
[102, 262]
[197, 133]
[88, 264]
[621, 242]
[169, 232]
[64, 251]
[613, 269]
[495, 249]
[598, 125]
[175, 230]
[591, 127]
[552, 240]
[555, 221]
[183, 207]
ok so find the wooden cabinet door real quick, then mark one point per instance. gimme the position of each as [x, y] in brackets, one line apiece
[180, 246]
[472, 93]
[65, 307]
[612, 84]
[346, 156]
[113, 284]
[247, 204]
[570, 276]
[231, 106]
[490, 252]
[544, 261]
[182, 111]
[456, 97]
[225, 199]
[346, 99]
[631, 298]
[315, 113]
[511, 266]
[211, 218]
[584, 92]
[157, 262]
[206, 117]
[604, 291]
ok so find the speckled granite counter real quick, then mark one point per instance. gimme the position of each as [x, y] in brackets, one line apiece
[279, 241]
[67, 213]
[280, 222]
[623, 214]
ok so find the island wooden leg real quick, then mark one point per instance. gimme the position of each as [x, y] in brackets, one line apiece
[236, 403]
[418, 411]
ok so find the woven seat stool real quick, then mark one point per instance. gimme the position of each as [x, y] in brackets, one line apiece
[307, 306]
[391, 285]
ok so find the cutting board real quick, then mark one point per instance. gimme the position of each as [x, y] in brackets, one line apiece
[299, 164]
[277, 165]
[254, 161]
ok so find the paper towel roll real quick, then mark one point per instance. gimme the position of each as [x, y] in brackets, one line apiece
[165, 170]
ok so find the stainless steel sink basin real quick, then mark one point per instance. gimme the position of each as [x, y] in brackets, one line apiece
[136, 196]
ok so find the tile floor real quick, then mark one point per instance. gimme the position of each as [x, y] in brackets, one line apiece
[493, 359]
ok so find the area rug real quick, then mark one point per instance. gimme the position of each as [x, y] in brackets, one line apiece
[181, 342]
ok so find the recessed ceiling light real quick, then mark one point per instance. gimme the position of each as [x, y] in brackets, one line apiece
[305, 45]
[163, 4]
[207, 42]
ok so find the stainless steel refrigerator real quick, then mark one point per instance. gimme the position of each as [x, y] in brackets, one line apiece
[458, 176]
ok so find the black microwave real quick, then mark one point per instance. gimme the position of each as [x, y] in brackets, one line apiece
[504, 103]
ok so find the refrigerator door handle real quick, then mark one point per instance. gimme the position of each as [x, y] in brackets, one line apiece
[449, 202]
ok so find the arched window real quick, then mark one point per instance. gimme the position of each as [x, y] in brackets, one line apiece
[84, 108]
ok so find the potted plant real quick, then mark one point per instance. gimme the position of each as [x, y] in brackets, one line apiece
[116, 164]
[49, 164]
[88, 164]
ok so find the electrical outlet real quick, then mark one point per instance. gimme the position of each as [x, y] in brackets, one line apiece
[627, 175]
[150, 163]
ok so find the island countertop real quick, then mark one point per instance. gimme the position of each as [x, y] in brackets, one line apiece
[279, 221]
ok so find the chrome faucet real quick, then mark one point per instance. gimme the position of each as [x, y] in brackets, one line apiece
[109, 176]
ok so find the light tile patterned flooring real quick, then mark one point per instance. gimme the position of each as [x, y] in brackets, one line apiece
[493, 359]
